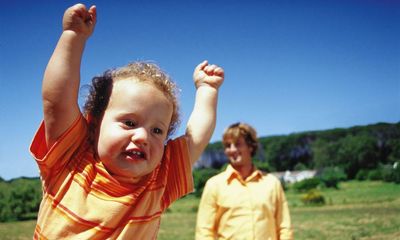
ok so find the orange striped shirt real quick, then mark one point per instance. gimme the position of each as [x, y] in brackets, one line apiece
[81, 200]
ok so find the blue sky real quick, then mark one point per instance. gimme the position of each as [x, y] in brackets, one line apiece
[290, 66]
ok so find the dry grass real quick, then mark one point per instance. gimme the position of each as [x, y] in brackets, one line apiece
[17, 230]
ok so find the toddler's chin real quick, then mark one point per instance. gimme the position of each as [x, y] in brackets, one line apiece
[128, 179]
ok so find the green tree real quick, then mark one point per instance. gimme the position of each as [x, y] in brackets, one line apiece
[285, 152]
[357, 152]
[325, 153]
[200, 177]
[25, 198]
[331, 176]
[394, 145]
[5, 211]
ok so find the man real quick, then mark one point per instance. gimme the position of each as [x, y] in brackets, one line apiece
[242, 202]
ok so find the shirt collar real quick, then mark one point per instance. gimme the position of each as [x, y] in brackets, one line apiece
[231, 174]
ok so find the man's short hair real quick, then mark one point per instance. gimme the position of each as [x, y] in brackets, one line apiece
[239, 129]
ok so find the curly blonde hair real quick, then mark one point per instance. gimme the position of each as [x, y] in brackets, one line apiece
[101, 87]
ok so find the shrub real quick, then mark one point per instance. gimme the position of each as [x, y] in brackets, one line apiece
[372, 174]
[200, 177]
[331, 177]
[306, 184]
[362, 175]
[313, 197]
[300, 167]
[391, 173]
[375, 174]
[396, 175]
[263, 166]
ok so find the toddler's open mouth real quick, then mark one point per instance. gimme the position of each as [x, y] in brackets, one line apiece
[135, 154]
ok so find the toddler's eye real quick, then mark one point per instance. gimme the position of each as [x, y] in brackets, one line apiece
[130, 123]
[228, 145]
[157, 131]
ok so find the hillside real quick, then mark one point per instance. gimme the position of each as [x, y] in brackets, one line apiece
[353, 149]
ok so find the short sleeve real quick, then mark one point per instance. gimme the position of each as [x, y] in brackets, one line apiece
[62, 150]
[179, 179]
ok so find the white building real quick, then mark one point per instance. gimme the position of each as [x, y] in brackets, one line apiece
[295, 176]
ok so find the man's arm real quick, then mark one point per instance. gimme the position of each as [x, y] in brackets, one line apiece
[201, 124]
[285, 230]
[205, 225]
[62, 75]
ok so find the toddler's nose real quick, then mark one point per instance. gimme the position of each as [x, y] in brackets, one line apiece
[232, 147]
[140, 135]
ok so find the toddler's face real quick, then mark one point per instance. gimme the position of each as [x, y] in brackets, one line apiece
[133, 129]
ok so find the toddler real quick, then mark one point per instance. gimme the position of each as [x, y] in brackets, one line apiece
[110, 172]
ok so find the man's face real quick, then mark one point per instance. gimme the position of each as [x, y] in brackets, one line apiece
[238, 153]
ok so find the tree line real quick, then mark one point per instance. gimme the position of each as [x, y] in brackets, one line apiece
[19, 199]
[358, 151]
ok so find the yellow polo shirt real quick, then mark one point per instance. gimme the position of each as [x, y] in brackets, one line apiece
[236, 208]
[81, 200]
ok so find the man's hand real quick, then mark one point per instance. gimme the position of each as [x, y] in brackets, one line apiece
[211, 75]
[80, 20]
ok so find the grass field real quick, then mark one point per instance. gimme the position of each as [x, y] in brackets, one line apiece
[357, 211]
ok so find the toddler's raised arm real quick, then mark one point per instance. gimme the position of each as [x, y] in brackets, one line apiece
[201, 124]
[62, 75]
